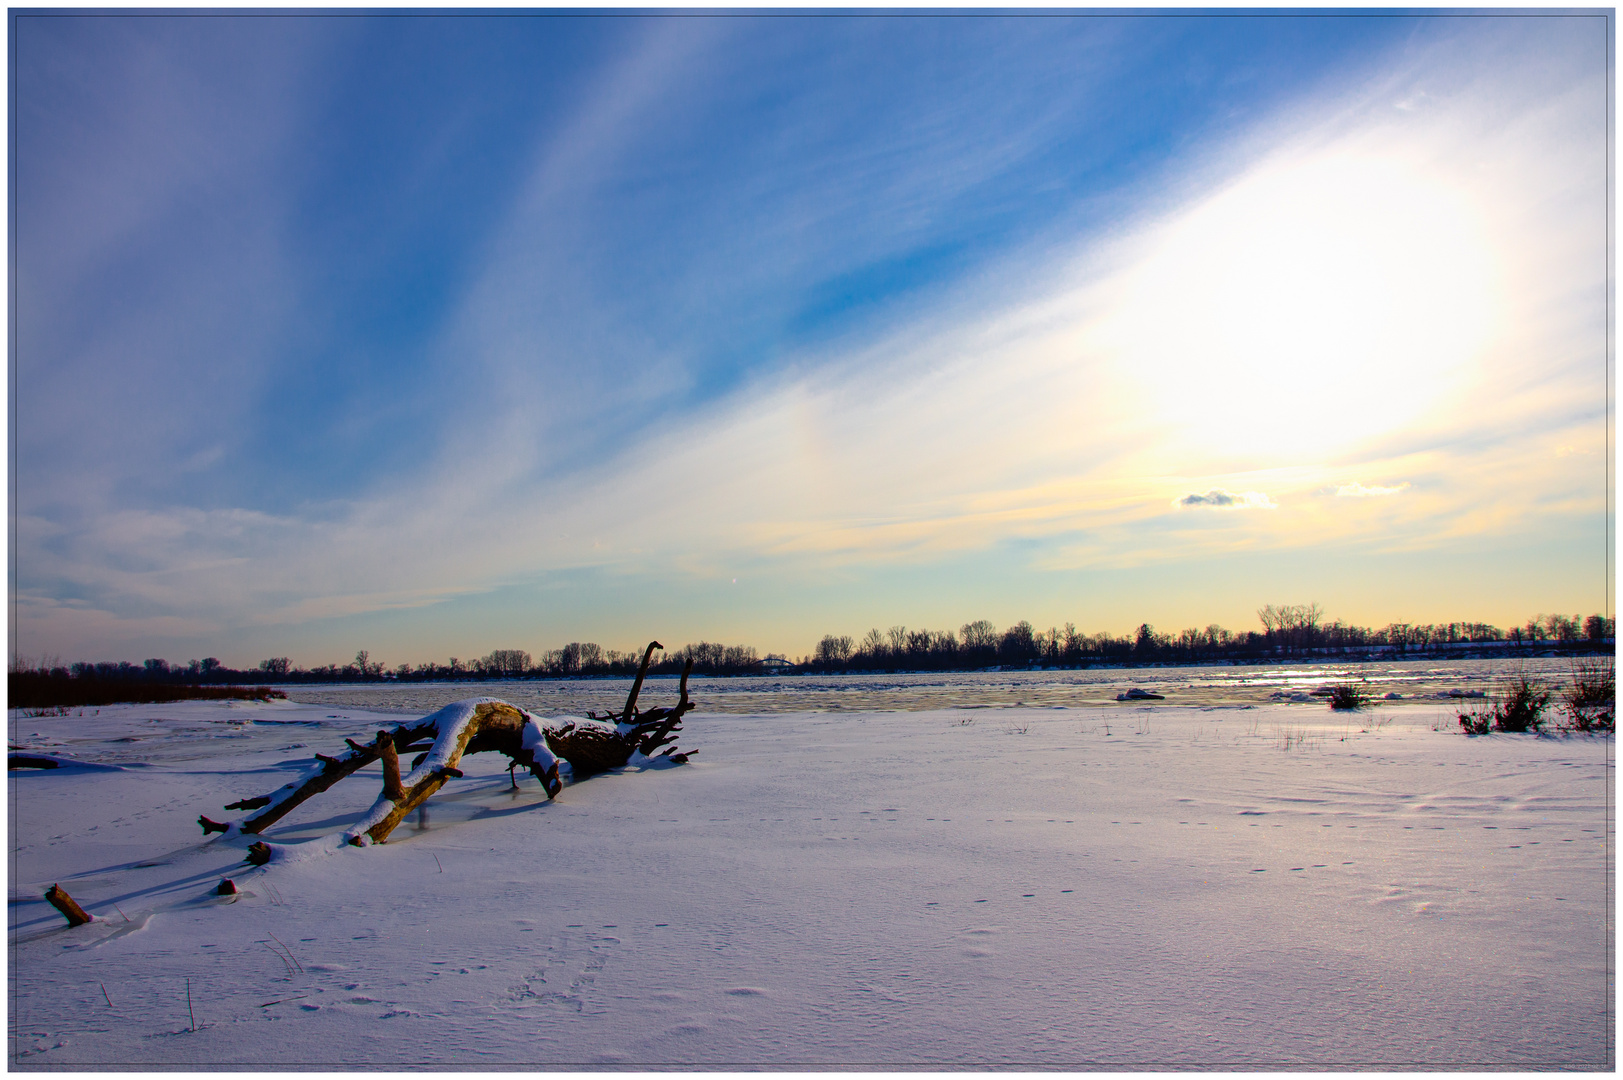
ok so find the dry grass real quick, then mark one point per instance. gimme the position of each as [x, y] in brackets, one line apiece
[1296, 737]
[1518, 706]
[1591, 701]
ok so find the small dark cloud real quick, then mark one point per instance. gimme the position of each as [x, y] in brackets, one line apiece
[1228, 500]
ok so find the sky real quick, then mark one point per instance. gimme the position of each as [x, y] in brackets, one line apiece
[435, 334]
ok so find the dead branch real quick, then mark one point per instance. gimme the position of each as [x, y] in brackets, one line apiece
[494, 725]
[391, 766]
[279, 802]
[636, 687]
[595, 746]
[61, 901]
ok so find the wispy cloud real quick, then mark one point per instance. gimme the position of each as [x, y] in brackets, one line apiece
[1359, 491]
[1352, 295]
[153, 285]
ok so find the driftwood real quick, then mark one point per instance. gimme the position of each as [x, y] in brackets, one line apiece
[332, 770]
[498, 725]
[61, 901]
[471, 727]
[610, 742]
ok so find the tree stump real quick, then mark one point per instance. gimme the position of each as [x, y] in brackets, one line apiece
[61, 901]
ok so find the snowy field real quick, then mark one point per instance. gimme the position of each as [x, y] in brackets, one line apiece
[1099, 885]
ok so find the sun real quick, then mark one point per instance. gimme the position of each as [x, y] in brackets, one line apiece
[1313, 304]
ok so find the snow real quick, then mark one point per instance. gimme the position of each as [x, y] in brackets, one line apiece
[1108, 885]
[449, 724]
[535, 741]
[565, 724]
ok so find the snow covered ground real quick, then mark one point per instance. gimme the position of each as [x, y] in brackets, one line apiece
[1128, 886]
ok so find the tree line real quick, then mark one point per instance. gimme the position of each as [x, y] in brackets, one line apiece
[577, 659]
[1288, 630]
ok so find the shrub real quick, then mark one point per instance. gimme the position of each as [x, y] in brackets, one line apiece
[47, 690]
[1517, 707]
[1521, 706]
[1591, 701]
[1348, 696]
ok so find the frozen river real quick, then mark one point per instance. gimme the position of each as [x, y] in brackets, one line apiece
[1417, 681]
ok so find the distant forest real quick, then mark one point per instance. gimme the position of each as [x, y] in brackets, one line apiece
[1288, 631]
[1292, 631]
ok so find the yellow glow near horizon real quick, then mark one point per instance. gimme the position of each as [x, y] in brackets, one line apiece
[1310, 305]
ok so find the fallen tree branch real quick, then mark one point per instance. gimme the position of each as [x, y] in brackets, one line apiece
[331, 770]
[471, 727]
[488, 725]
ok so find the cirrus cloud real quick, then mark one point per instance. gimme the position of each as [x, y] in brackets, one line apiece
[1356, 490]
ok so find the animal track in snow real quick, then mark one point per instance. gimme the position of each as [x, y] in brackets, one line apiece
[580, 994]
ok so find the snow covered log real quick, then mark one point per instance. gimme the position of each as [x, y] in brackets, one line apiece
[478, 725]
[473, 726]
[467, 727]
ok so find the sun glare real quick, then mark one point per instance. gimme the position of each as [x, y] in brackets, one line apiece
[1311, 305]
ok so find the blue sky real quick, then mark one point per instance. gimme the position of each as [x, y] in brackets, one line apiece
[437, 334]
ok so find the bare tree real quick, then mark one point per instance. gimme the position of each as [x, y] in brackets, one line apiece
[1272, 618]
[832, 650]
[980, 634]
[506, 662]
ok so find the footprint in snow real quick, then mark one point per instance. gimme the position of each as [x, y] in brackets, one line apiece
[528, 990]
[688, 1029]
